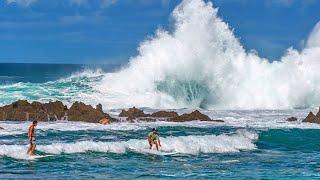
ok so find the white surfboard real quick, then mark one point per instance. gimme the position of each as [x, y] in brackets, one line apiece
[156, 152]
[39, 156]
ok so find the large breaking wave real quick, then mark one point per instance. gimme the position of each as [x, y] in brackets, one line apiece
[200, 63]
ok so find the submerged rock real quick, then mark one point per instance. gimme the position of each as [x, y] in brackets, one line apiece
[290, 119]
[218, 120]
[23, 110]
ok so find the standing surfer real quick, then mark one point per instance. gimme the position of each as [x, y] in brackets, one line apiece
[153, 138]
[32, 138]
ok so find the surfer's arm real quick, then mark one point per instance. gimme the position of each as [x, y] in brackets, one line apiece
[30, 133]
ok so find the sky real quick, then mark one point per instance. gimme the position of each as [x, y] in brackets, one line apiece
[109, 31]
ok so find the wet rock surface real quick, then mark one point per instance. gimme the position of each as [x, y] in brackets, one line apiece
[311, 118]
[22, 110]
[133, 113]
[291, 119]
[138, 115]
[195, 115]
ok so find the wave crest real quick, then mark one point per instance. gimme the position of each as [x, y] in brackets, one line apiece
[224, 143]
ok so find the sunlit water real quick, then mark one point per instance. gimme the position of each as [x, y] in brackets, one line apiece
[250, 144]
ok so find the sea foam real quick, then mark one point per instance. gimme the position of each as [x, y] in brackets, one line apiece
[199, 63]
[193, 145]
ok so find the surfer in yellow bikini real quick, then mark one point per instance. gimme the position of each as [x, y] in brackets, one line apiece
[153, 138]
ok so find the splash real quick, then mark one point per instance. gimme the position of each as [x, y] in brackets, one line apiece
[200, 63]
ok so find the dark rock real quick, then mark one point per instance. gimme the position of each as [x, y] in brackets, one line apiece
[195, 115]
[292, 119]
[164, 114]
[133, 113]
[55, 110]
[82, 112]
[23, 110]
[318, 114]
[218, 120]
[99, 107]
[138, 115]
[311, 118]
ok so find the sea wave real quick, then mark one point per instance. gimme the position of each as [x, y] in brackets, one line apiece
[193, 145]
[199, 63]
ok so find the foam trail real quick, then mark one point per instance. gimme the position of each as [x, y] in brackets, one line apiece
[14, 128]
[224, 143]
[200, 63]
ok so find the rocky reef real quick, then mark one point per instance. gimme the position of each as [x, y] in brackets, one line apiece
[23, 110]
[138, 115]
[311, 118]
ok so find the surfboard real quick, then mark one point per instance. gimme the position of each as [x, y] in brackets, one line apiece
[161, 153]
[39, 156]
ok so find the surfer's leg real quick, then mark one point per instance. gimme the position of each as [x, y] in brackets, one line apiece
[29, 149]
[157, 146]
[150, 144]
[33, 148]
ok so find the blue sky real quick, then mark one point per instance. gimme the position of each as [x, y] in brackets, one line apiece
[109, 31]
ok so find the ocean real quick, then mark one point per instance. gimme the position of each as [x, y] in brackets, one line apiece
[197, 64]
[249, 144]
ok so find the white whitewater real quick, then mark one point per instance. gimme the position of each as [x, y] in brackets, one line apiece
[199, 63]
[202, 64]
[193, 145]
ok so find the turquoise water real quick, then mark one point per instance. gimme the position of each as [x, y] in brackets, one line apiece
[249, 144]
[276, 153]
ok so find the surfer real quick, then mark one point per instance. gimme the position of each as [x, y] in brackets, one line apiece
[153, 138]
[104, 121]
[1, 127]
[32, 138]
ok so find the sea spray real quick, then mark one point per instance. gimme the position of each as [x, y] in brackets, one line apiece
[200, 63]
[192, 144]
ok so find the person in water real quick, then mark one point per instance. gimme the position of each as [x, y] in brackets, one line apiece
[32, 138]
[104, 121]
[153, 138]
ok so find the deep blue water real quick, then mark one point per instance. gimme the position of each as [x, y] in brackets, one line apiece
[40, 73]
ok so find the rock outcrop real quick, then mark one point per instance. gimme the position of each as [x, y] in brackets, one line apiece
[165, 114]
[137, 114]
[82, 112]
[23, 110]
[133, 113]
[311, 118]
[195, 115]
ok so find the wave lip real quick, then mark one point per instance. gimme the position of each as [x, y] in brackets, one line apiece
[193, 145]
